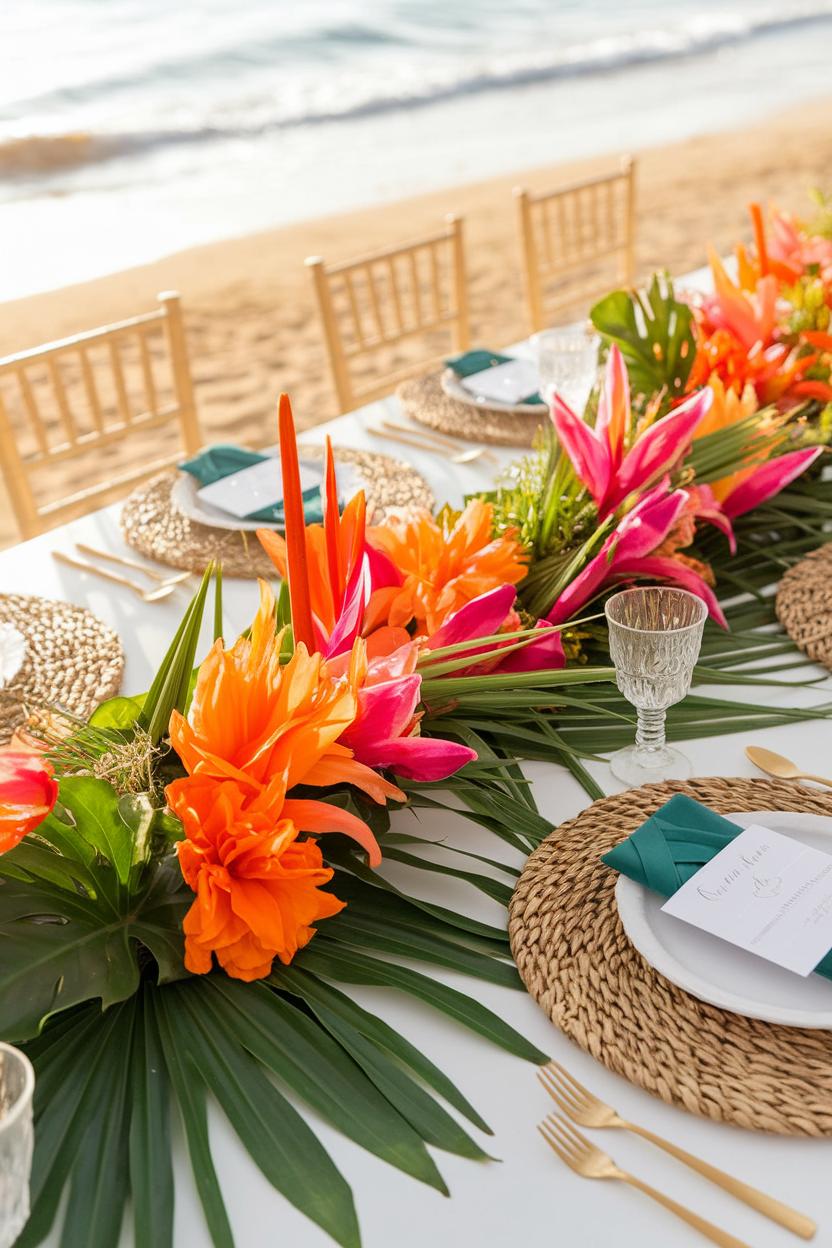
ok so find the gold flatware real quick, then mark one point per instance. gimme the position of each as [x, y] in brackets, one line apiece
[123, 560]
[421, 444]
[778, 766]
[585, 1159]
[147, 595]
[442, 440]
[579, 1104]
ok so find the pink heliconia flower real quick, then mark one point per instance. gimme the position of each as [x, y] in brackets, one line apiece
[484, 617]
[628, 553]
[767, 480]
[599, 456]
[385, 732]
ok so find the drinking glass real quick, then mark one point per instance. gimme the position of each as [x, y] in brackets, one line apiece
[655, 634]
[17, 1082]
[567, 360]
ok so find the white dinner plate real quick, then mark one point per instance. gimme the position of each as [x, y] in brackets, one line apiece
[714, 970]
[454, 389]
[185, 497]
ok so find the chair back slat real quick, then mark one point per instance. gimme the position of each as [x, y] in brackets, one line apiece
[579, 228]
[82, 396]
[90, 389]
[150, 391]
[370, 306]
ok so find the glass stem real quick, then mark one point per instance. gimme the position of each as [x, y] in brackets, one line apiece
[650, 730]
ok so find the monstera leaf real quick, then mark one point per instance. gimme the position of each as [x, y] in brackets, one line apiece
[75, 908]
[654, 332]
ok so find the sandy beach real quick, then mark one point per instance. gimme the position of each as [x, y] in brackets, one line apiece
[251, 321]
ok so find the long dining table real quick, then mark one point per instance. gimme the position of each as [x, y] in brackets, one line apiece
[524, 1196]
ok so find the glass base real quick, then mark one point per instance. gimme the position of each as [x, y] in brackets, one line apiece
[636, 765]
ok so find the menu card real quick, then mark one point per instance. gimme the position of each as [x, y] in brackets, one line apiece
[766, 893]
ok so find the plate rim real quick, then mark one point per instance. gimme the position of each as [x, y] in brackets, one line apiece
[634, 923]
[454, 389]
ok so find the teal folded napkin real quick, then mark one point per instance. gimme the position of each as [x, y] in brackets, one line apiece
[673, 844]
[219, 461]
[478, 361]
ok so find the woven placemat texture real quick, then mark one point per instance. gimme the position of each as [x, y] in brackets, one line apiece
[73, 661]
[579, 966]
[804, 605]
[157, 528]
[425, 401]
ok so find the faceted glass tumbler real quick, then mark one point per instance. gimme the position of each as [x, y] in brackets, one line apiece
[655, 634]
[17, 1082]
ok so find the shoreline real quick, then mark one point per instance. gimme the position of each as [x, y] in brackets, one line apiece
[248, 302]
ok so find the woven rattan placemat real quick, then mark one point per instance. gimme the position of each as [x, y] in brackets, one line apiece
[804, 604]
[424, 400]
[159, 530]
[73, 661]
[579, 966]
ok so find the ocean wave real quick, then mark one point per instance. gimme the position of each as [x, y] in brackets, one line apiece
[34, 155]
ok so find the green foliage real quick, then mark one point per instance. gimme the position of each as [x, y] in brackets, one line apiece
[654, 331]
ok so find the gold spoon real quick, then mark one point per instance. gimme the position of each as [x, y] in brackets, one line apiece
[782, 768]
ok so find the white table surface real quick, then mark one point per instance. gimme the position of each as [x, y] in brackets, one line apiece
[527, 1197]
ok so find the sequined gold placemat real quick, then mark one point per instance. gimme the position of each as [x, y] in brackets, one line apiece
[72, 661]
[155, 527]
[424, 400]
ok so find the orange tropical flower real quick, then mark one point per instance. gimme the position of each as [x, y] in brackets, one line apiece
[444, 564]
[257, 721]
[258, 887]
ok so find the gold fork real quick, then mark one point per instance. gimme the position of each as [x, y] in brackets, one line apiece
[585, 1159]
[579, 1104]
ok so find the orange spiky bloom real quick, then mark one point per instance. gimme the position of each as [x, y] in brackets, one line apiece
[256, 728]
[444, 563]
[256, 721]
[258, 887]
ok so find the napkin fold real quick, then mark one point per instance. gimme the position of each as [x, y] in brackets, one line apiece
[673, 844]
[215, 462]
[478, 361]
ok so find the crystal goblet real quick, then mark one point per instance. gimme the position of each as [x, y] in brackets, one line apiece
[17, 1082]
[655, 634]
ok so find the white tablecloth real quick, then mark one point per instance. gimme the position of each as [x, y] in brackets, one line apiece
[526, 1197]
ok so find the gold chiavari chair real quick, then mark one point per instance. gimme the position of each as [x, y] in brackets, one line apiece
[577, 242]
[65, 406]
[377, 311]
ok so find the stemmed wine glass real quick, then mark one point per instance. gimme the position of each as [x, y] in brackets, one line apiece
[655, 634]
[17, 1081]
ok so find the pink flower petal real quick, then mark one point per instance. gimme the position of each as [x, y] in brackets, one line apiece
[767, 480]
[422, 758]
[659, 567]
[660, 446]
[383, 711]
[536, 656]
[589, 455]
[481, 617]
